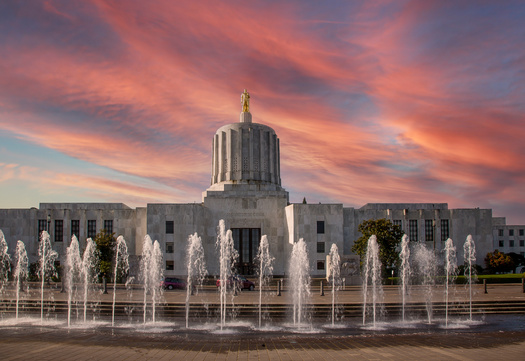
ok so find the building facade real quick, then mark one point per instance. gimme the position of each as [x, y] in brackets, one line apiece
[246, 193]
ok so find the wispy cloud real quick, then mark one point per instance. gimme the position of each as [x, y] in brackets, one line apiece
[373, 101]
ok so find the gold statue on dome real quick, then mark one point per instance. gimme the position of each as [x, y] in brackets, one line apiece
[245, 101]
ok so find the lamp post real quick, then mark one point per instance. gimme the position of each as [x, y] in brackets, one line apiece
[48, 222]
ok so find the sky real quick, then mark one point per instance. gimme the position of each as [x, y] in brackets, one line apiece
[373, 101]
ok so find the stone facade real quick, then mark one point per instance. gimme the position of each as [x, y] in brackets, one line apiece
[246, 193]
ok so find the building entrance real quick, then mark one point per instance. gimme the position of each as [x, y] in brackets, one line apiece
[246, 242]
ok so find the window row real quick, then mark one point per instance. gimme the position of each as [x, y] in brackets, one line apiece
[511, 243]
[45, 225]
[430, 229]
[501, 232]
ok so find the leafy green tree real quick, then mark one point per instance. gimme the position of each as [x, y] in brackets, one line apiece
[105, 242]
[388, 238]
[499, 262]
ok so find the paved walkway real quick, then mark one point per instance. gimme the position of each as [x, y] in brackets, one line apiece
[62, 345]
[52, 342]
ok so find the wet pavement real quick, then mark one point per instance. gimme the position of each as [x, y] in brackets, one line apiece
[489, 338]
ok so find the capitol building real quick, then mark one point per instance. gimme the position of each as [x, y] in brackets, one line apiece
[246, 193]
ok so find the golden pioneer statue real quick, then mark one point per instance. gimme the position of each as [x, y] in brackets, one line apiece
[245, 100]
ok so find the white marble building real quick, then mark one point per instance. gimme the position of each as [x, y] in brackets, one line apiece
[246, 192]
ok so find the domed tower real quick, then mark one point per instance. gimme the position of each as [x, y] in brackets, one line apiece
[246, 190]
[246, 153]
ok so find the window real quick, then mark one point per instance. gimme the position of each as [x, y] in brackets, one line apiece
[320, 247]
[399, 223]
[320, 227]
[169, 266]
[500, 232]
[444, 230]
[59, 230]
[501, 244]
[169, 227]
[511, 243]
[522, 243]
[75, 228]
[429, 230]
[511, 232]
[108, 225]
[42, 226]
[169, 247]
[412, 230]
[522, 232]
[246, 242]
[92, 228]
[320, 265]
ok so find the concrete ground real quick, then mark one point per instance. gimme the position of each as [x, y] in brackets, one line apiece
[500, 338]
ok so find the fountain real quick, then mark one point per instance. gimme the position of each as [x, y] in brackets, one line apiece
[228, 256]
[450, 271]
[300, 282]
[334, 270]
[5, 263]
[265, 270]
[21, 271]
[122, 264]
[405, 271]
[196, 266]
[89, 271]
[372, 277]
[72, 274]
[47, 266]
[151, 274]
[469, 256]
[426, 264]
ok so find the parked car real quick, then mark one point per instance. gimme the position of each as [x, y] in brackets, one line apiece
[171, 283]
[240, 281]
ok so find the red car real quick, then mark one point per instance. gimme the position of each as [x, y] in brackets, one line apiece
[240, 281]
[171, 283]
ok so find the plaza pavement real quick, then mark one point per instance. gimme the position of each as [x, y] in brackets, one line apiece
[58, 343]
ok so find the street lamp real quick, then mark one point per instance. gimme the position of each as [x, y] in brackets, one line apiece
[48, 222]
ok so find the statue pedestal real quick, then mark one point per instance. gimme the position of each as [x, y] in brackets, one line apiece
[246, 117]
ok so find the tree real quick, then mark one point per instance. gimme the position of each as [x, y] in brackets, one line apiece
[388, 238]
[105, 242]
[518, 259]
[499, 262]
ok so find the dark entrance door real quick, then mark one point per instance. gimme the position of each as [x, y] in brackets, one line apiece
[246, 242]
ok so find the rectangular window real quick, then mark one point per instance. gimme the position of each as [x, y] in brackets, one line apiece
[245, 256]
[59, 230]
[522, 232]
[511, 232]
[42, 226]
[412, 230]
[170, 266]
[320, 247]
[511, 243]
[399, 223]
[501, 244]
[429, 230]
[444, 230]
[320, 227]
[320, 265]
[246, 242]
[169, 227]
[500, 232]
[92, 228]
[522, 243]
[108, 225]
[75, 228]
